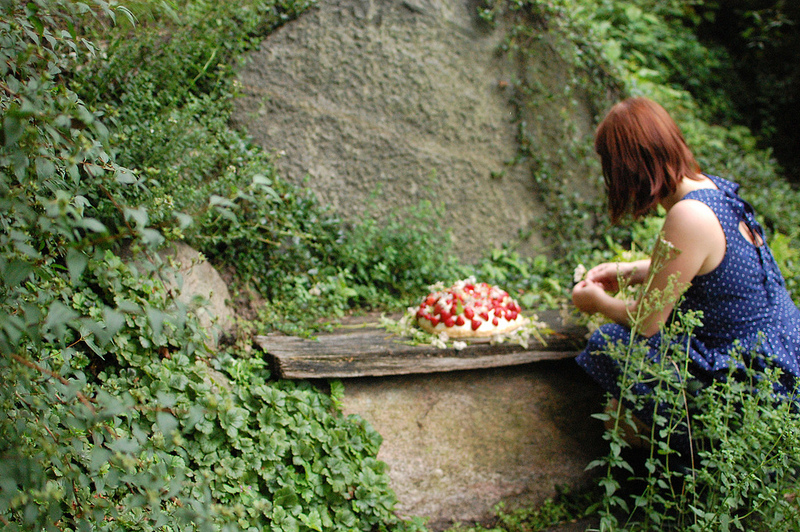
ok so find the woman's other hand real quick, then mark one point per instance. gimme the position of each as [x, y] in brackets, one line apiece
[587, 296]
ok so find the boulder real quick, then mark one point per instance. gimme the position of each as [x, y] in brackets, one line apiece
[458, 443]
[199, 286]
[381, 106]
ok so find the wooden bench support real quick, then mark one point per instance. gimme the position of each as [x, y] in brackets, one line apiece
[372, 351]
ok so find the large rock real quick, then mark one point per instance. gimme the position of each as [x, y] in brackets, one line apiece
[458, 443]
[388, 103]
[200, 287]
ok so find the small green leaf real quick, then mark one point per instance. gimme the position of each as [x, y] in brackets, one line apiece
[138, 216]
[45, 168]
[260, 179]
[184, 220]
[166, 422]
[114, 321]
[152, 237]
[76, 264]
[59, 315]
[13, 129]
[124, 176]
[286, 498]
[156, 319]
[217, 201]
[15, 271]
[92, 224]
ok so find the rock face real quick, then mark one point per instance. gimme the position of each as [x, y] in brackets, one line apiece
[458, 443]
[381, 105]
[196, 278]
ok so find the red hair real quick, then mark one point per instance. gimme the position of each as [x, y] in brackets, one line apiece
[644, 156]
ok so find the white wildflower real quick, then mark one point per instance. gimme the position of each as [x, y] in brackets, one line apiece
[436, 287]
[580, 271]
[458, 345]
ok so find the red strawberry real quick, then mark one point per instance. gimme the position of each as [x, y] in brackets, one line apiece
[485, 315]
[469, 313]
[444, 315]
[495, 322]
[475, 325]
[460, 320]
[449, 322]
[434, 321]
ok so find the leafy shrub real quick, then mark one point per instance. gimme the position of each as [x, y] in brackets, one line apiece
[297, 258]
[394, 260]
[114, 413]
[536, 282]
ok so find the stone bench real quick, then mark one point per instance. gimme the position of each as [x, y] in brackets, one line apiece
[462, 430]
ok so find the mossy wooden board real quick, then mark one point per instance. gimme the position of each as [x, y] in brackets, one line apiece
[370, 350]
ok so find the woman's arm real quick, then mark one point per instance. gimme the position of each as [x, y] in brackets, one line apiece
[696, 246]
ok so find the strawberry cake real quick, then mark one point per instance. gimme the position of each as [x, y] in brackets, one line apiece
[469, 310]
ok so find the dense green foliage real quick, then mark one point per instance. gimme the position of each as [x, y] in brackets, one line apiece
[170, 100]
[116, 139]
[762, 38]
[115, 413]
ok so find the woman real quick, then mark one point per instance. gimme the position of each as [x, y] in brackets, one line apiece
[719, 257]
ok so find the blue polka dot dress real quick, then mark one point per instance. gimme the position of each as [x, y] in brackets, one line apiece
[744, 303]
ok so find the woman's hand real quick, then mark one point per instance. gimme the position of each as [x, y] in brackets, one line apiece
[588, 295]
[608, 274]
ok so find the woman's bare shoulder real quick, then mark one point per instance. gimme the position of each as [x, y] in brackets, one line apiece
[692, 227]
[691, 213]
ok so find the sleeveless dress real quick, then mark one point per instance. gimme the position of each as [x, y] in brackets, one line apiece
[744, 303]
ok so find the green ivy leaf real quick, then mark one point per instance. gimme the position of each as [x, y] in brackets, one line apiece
[286, 498]
[76, 264]
[14, 271]
[138, 216]
[12, 128]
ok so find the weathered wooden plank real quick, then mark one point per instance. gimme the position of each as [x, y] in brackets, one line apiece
[372, 351]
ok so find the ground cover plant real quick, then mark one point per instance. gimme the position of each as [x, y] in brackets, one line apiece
[116, 140]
